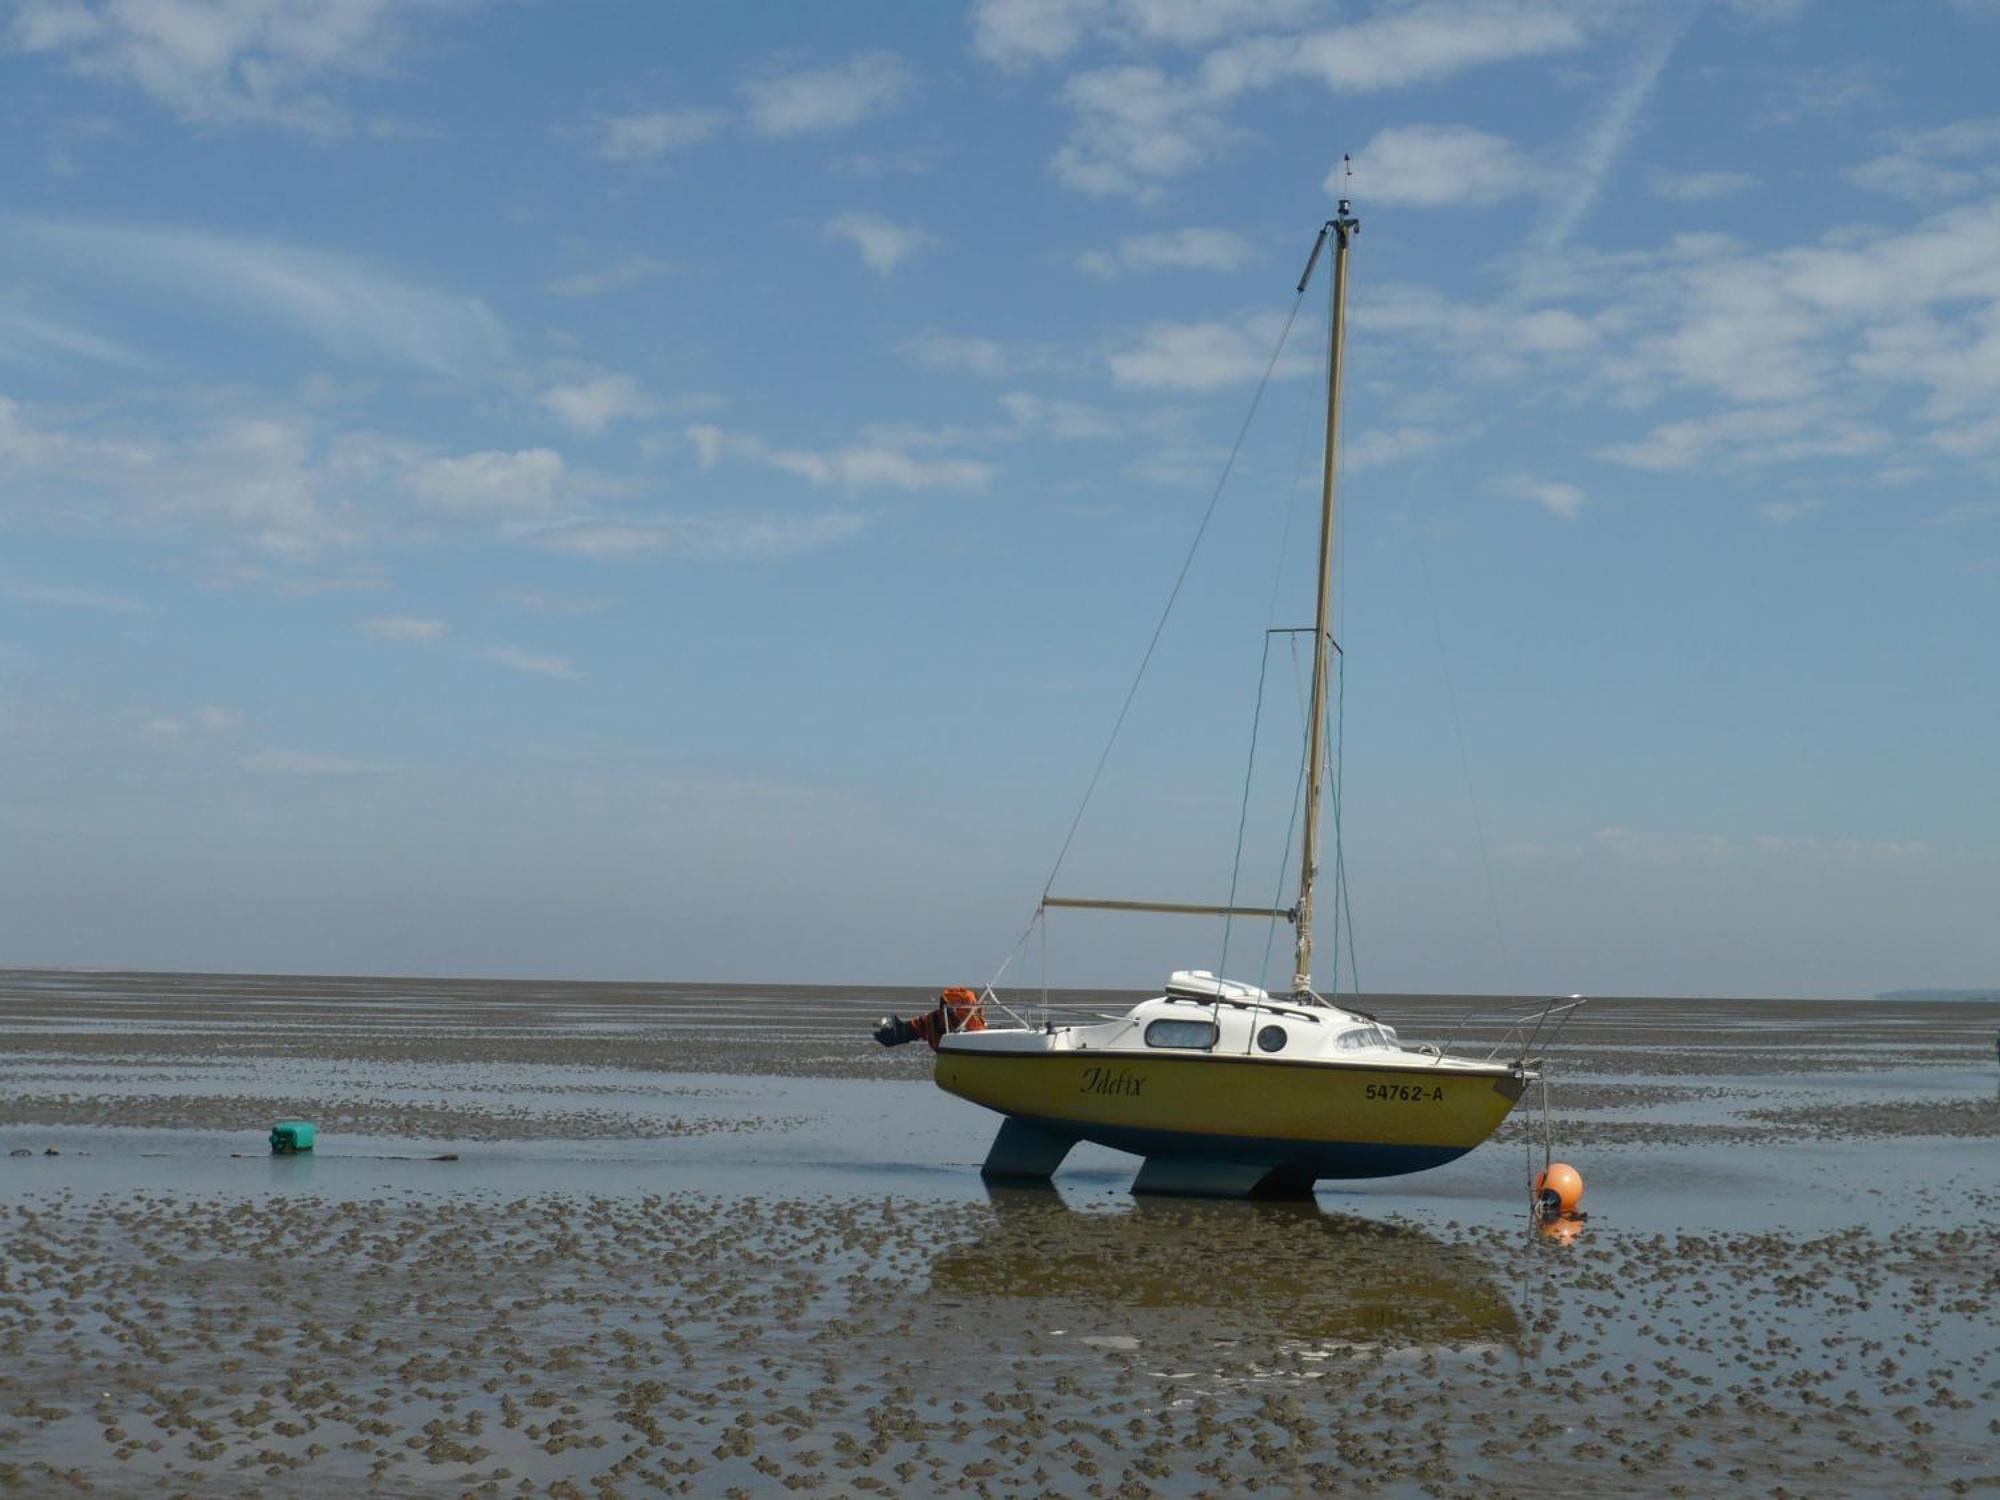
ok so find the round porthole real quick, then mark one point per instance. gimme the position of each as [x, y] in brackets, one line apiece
[1272, 1039]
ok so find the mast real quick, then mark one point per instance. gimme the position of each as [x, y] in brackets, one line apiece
[1343, 227]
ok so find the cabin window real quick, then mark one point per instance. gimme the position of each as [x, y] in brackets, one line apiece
[1366, 1036]
[1181, 1034]
[1271, 1038]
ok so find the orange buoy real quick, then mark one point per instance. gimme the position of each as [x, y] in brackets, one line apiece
[1558, 1190]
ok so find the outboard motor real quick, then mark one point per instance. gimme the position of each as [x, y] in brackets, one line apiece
[956, 1010]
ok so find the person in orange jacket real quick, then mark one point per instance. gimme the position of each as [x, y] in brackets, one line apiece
[956, 1010]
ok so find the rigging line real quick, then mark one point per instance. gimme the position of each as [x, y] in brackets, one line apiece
[1174, 594]
[1013, 953]
[1333, 796]
[1044, 924]
[1343, 908]
[1342, 904]
[1465, 765]
[1339, 841]
[1291, 830]
[1243, 813]
[1293, 490]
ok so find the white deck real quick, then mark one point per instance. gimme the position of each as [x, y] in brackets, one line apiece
[1221, 1018]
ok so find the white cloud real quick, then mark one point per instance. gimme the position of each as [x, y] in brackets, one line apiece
[294, 582]
[274, 760]
[1425, 42]
[1919, 306]
[1678, 848]
[543, 603]
[528, 481]
[916, 436]
[1017, 33]
[1818, 350]
[62, 597]
[1433, 166]
[1929, 165]
[1059, 419]
[1549, 330]
[814, 99]
[1968, 510]
[606, 541]
[1190, 249]
[876, 467]
[277, 488]
[907, 161]
[1205, 356]
[532, 663]
[1381, 446]
[65, 136]
[1196, 23]
[404, 628]
[223, 61]
[257, 478]
[976, 356]
[1784, 512]
[1555, 497]
[640, 137]
[710, 443]
[254, 479]
[1969, 439]
[209, 722]
[1768, 10]
[1697, 187]
[34, 339]
[590, 406]
[1751, 435]
[858, 466]
[701, 537]
[632, 270]
[1745, 332]
[883, 244]
[1135, 128]
[346, 307]
[1838, 93]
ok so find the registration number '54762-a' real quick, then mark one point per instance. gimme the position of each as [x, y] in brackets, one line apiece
[1406, 1093]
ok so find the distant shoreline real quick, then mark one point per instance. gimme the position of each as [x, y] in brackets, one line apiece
[888, 992]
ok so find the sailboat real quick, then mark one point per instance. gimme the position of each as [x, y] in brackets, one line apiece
[1224, 1088]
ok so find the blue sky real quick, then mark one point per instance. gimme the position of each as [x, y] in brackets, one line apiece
[643, 491]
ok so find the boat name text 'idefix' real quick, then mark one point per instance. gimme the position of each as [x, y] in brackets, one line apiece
[1104, 1081]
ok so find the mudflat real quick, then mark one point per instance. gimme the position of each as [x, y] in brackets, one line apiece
[616, 1239]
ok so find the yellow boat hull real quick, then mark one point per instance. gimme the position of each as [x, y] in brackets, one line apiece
[1307, 1119]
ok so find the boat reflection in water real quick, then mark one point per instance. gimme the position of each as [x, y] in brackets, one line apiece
[1279, 1274]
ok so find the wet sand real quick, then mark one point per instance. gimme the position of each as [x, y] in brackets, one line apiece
[712, 1240]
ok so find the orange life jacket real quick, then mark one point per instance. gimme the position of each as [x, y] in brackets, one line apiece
[956, 1010]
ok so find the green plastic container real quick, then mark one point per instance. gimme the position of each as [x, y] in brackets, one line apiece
[289, 1136]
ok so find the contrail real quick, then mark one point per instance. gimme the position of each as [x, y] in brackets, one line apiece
[1607, 136]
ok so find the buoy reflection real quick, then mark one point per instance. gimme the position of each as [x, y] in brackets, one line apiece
[1563, 1231]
